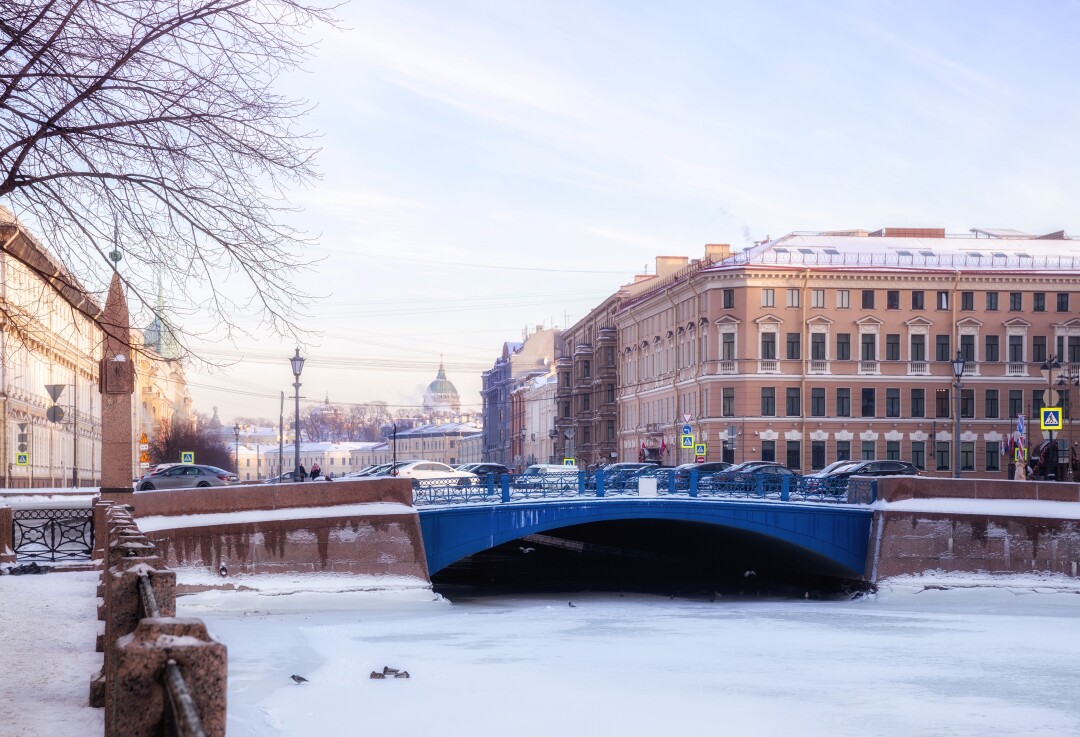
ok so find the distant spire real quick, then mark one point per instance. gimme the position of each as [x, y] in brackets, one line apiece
[442, 371]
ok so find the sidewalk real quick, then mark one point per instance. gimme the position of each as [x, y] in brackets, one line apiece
[48, 627]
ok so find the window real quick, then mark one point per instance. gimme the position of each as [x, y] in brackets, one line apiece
[1038, 348]
[967, 403]
[610, 430]
[586, 436]
[793, 405]
[768, 401]
[941, 453]
[892, 300]
[609, 356]
[1016, 301]
[843, 402]
[967, 456]
[967, 301]
[817, 454]
[794, 346]
[610, 394]
[727, 346]
[727, 401]
[941, 408]
[990, 404]
[817, 346]
[943, 300]
[1037, 402]
[892, 450]
[817, 402]
[1016, 349]
[869, 346]
[817, 298]
[941, 347]
[729, 299]
[1038, 302]
[918, 403]
[869, 450]
[918, 300]
[768, 450]
[869, 402]
[991, 301]
[918, 347]
[793, 298]
[918, 454]
[1063, 302]
[768, 298]
[768, 346]
[586, 369]
[843, 299]
[967, 348]
[1074, 349]
[1016, 403]
[843, 346]
[892, 402]
[993, 456]
[586, 403]
[868, 299]
[843, 450]
[892, 347]
[993, 349]
[794, 454]
[566, 409]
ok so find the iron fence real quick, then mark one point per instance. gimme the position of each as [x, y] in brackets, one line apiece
[53, 534]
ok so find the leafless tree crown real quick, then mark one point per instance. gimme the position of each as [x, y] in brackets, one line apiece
[156, 123]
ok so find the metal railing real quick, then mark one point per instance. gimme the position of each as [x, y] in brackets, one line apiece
[53, 534]
[518, 487]
[182, 717]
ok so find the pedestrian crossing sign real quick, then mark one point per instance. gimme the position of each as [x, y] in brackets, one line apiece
[686, 441]
[22, 459]
[699, 449]
[1050, 418]
[187, 456]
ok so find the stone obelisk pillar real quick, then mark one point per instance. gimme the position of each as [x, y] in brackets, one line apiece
[117, 384]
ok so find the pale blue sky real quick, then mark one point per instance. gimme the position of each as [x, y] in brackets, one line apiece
[492, 165]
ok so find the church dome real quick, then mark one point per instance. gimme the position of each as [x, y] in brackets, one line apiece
[441, 396]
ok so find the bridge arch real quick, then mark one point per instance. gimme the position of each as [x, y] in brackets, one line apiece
[838, 533]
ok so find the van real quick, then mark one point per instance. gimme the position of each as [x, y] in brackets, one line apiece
[548, 476]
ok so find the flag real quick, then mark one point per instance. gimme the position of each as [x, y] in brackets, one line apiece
[663, 447]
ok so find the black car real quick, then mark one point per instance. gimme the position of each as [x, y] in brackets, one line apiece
[682, 473]
[483, 470]
[876, 468]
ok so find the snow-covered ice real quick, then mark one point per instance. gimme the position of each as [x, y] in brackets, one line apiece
[987, 656]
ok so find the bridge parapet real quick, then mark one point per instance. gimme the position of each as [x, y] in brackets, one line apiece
[898, 488]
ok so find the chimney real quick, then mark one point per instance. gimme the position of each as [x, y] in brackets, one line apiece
[717, 251]
[667, 265]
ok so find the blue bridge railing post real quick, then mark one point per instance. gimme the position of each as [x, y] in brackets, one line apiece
[581, 482]
[505, 481]
[599, 482]
[693, 482]
[489, 483]
[671, 482]
[785, 488]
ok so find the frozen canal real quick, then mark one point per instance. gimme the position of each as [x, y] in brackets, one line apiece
[904, 662]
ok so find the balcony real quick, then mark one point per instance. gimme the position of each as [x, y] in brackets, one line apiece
[869, 367]
[818, 367]
[768, 366]
[729, 367]
[583, 349]
[918, 368]
[1016, 369]
[607, 335]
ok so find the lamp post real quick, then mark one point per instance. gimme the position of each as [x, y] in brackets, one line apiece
[236, 432]
[297, 362]
[1068, 378]
[1048, 368]
[958, 374]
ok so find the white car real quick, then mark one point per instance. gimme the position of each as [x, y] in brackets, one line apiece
[428, 470]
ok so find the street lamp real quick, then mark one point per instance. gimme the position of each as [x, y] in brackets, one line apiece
[1048, 368]
[958, 373]
[1068, 378]
[297, 362]
[236, 432]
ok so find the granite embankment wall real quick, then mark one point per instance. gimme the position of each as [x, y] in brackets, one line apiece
[974, 525]
[361, 527]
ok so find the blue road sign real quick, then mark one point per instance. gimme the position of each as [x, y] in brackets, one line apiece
[687, 430]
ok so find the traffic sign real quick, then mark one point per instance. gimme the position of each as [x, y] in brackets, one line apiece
[687, 430]
[55, 413]
[1020, 424]
[687, 417]
[699, 459]
[1050, 418]
[686, 441]
[187, 456]
[699, 449]
[568, 462]
[22, 459]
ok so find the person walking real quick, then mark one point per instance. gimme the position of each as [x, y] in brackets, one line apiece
[315, 470]
[302, 472]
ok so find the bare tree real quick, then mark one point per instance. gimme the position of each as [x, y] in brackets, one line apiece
[154, 124]
[176, 438]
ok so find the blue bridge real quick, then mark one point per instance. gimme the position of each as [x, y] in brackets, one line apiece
[828, 524]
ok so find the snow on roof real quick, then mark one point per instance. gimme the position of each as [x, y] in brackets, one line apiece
[446, 428]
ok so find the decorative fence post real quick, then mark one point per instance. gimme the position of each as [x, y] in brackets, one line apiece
[7, 536]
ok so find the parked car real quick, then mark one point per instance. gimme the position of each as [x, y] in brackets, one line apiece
[662, 474]
[187, 476]
[419, 470]
[547, 475]
[616, 475]
[376, 470]
[748, 473]
[876, 468]
[739, 468]
[682, 473]
[483, 470]
[831, 468]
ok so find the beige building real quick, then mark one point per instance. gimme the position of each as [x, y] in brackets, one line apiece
[51, 344]
[822, 346]
[161, 393]
[537, 399]
[439, 442]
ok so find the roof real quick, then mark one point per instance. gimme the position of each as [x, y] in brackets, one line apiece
[446, 428]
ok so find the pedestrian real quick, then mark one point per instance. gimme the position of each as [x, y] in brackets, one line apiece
[315, 470]
[302, 472]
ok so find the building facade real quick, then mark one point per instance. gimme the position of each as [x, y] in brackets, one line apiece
[818, 347]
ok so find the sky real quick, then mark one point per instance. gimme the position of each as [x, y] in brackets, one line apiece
[488, 167]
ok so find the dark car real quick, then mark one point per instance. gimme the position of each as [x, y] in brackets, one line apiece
[682, 473]
[876, 468]
[618, 475]
[483, 470]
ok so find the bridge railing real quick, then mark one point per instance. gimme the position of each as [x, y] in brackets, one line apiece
[513, 487]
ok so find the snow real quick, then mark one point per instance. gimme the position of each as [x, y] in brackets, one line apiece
[161, 522]
[48, 627]
[52, 498]
[996, 507]
[943, 655]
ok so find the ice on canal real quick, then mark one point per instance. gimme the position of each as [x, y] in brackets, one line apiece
[909, 660]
